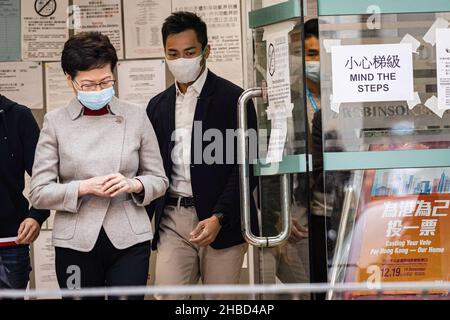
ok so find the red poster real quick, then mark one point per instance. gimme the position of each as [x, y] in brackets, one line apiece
[402, 228]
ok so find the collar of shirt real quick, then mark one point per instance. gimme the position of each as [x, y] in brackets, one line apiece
[197, 86]
[96, 113]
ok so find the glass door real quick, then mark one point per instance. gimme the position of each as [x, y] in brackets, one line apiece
[281, 248]
[386, 152]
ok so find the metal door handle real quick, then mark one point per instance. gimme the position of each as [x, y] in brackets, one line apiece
[340, 251]
[244, 173]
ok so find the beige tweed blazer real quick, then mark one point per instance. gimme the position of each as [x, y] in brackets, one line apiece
[73, 147]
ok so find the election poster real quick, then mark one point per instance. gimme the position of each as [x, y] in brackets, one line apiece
[402, 228]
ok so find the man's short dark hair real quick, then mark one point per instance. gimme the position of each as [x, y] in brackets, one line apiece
[86, 51]
[182, 21]
[312, 28]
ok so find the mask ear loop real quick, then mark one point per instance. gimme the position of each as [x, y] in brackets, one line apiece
[311, 99]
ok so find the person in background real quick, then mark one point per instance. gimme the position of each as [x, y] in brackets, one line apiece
[319, 212]
[328, 187]
[312, 63]
[290, 262]
[198, 229]
[19, 225]
[98, 165]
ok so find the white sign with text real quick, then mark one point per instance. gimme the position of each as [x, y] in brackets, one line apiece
[370, 73]
[443, 67]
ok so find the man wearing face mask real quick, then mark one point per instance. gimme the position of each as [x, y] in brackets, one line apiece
[320, 217]
[198, 230]
[312, 63]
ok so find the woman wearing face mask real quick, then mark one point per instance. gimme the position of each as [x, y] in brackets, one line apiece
[97, 164]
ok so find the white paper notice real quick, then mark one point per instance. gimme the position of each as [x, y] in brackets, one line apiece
[143, 20]
[44, 264]
[443, 67]
[44, 29]
[432, 104]
[58, 92]
[104, 16]
[278, 135]
[141, 80]
[430, 36]
[223, 18]
[414, 42]
[415, 101]
[22, 82]
[369, 73]
[278, 87]
[329, 43]
[268, 3]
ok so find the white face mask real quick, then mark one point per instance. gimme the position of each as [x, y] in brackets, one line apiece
[185, 70]
[313, 71]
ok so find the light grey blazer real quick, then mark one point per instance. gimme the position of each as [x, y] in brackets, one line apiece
[73, 147]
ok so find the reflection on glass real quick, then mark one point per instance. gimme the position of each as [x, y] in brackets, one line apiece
[390, 224]
[288, 263]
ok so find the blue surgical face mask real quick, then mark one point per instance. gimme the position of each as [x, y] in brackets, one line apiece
[313, 70]
[95, 100]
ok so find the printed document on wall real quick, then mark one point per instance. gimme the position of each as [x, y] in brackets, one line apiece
[104, 16]
[443, 67]
[141, 80]
[22, 83]
[44, 29]
[9, 34]
[278, 87]
[143, 20]
[58, 92]
[44, 264]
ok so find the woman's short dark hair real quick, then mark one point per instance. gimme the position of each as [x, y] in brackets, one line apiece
[86, 51]
[181, 21]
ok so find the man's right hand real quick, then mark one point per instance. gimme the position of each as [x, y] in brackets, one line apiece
[298, 232]
[93, 186]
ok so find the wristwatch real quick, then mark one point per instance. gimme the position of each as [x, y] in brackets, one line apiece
[220, 217]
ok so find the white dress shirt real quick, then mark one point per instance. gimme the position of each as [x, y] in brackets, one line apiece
[184, 120]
